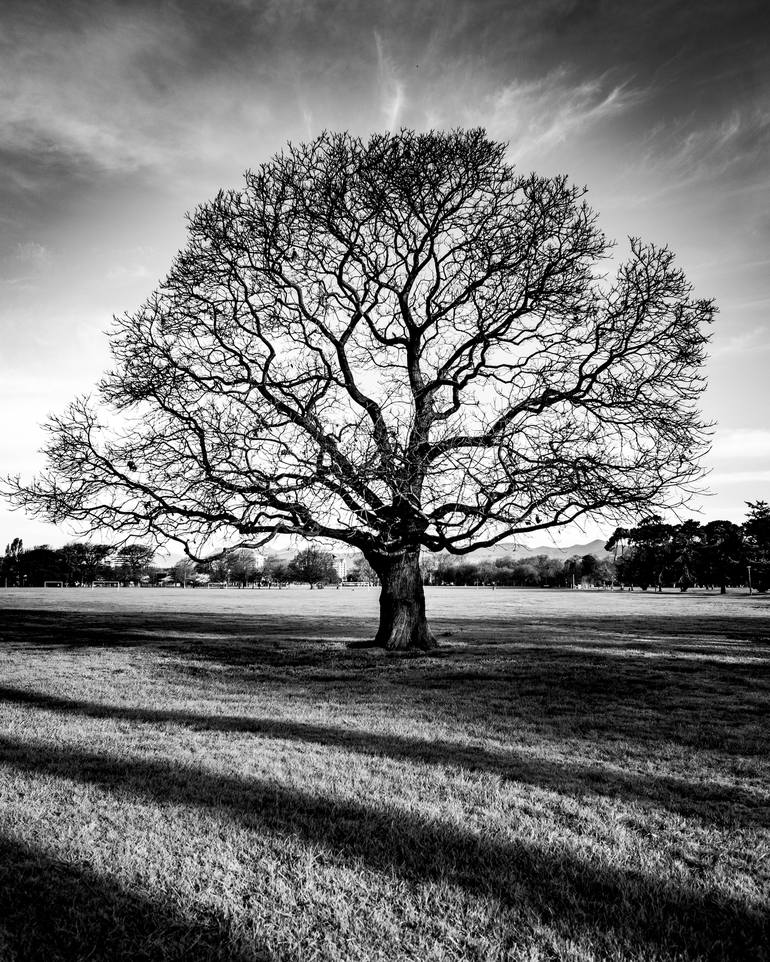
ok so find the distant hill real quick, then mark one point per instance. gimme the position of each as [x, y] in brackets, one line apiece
[481, 554]
[549, 550]
[491, 554]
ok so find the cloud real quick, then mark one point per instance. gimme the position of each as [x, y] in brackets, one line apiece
[755, 339]
[123, 272]
[33, 259]
[72, 93]
[30, 252]
[123, 93]
[390, 86]
[541, 114]
[534, 115]
[741, 444]
[686, 150]
[740, 477]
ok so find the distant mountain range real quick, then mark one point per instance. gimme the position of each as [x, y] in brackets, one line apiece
[492, 554]
[481, 554]
[549, 550]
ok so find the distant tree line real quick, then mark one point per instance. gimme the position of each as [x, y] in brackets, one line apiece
[653, 554]
[83, 563]
[313, 567]
[717, 554]
[538, 571]
[236, 567]
[77, 563]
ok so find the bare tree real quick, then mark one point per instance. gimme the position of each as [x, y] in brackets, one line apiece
[393, 344]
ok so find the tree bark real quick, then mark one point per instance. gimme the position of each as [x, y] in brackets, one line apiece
[403, 624]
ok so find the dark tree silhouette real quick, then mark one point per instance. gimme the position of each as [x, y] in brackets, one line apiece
[134, 559]
[686, 552]
[757, 532]
[395, 344]
[83, 561]
[11, 565]
[648, 555]
[724, 554]
[313, 565]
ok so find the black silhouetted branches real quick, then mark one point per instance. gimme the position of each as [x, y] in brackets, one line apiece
[394, 343]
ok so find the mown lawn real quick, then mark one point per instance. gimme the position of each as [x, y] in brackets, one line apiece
[215, 775]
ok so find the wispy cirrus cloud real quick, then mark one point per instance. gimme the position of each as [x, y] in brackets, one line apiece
[541, 114]
[115, 96]
[28, 261]
[30, 252]
[567, 105]
[390, 85]
[73, 95]
[688, 150]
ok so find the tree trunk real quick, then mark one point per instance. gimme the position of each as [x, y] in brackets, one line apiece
[403, 623]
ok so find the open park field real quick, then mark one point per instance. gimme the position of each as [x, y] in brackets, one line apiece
[215, 775]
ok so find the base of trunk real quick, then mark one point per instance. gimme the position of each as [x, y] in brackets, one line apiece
[403, 632]
[403, 625]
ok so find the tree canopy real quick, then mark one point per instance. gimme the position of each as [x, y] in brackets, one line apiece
[718, 553]
[313, 565]
[394, 343]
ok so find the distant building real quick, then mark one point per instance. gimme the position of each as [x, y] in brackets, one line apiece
[341, 566]
[259, 560]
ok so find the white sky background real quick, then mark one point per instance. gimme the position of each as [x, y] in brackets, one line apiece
[116, 118]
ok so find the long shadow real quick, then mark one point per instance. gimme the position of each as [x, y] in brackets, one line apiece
[625, 684]
[239, 636]
[53, 911]
[609, 691]
[220, 634]
[573, 895]
[714, 804]
[703, 683]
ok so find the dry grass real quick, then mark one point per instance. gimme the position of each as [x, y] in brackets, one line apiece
[214, 775]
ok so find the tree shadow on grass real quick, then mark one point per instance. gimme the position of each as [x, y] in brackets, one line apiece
[646, 686]
[624, 913]
[268, 644]
[611, 693]
[53, 911]
[629, 684]
[714, 804]
[248, 636]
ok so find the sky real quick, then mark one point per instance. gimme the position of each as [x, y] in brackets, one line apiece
[116, 118]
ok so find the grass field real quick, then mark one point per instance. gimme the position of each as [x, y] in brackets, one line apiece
[215, 775]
